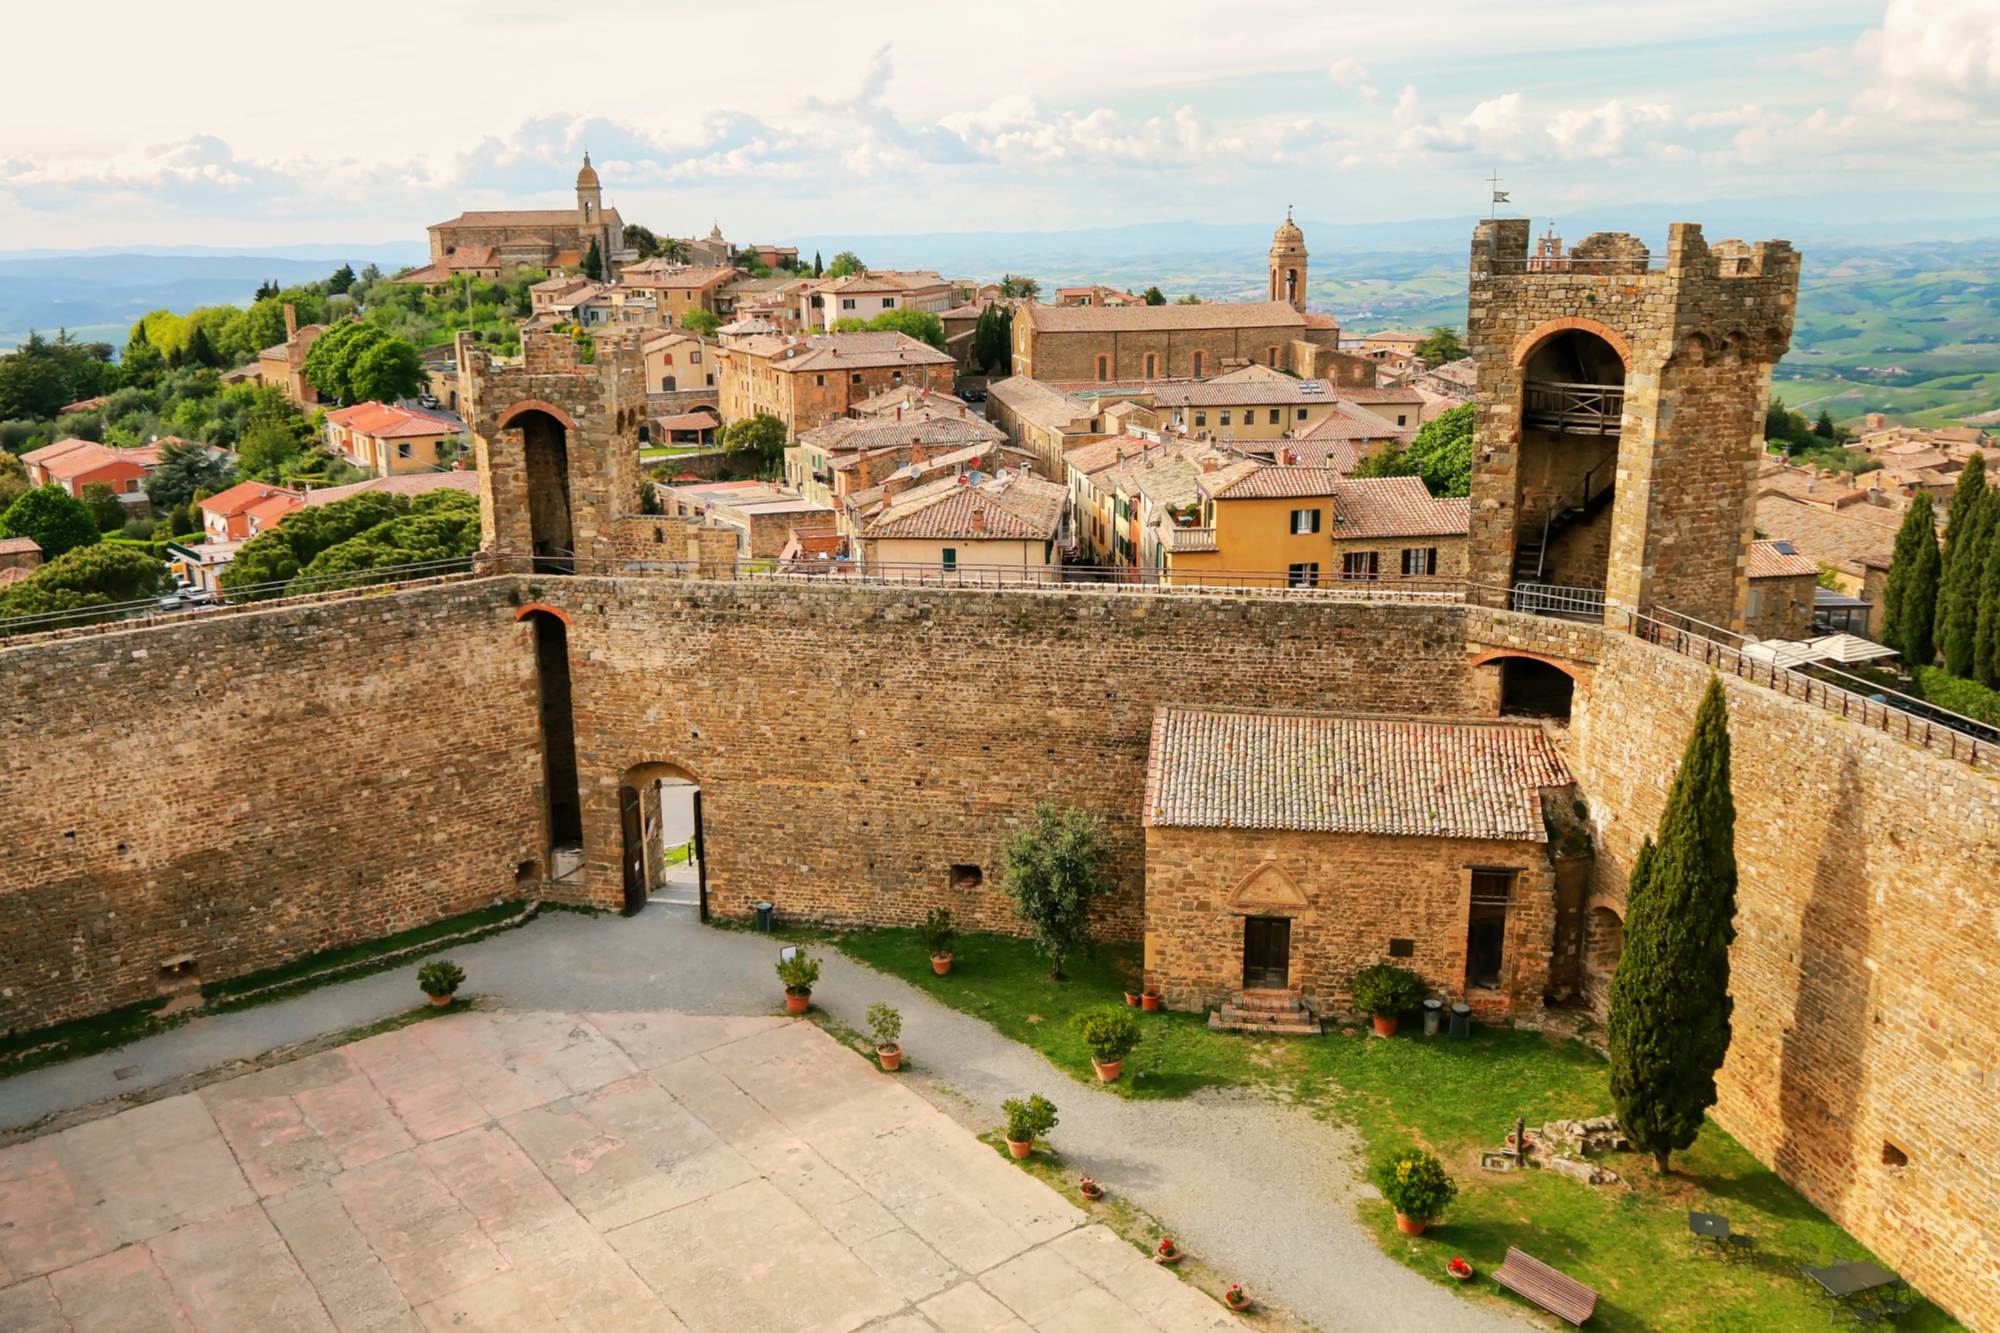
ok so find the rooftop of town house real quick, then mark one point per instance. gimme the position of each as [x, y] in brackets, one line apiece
[521, 217]
[1098, 455]
[387, 421]
[19, 546]
[1230, 393]
[1396, 507]
[48, 452]
[1344, 423]
[988, 456]
[1779, 560]
[1250, 480]
[1040, 404]
[14, 573]
[692, 278]
[1013, 507]
[1332, 773]
[1340, 455]
[1152, 318]
[701, 417]
[90, 457]
[276, 350]
[1464, 371]
[1850, 536]
[1393, 394]
[242, 496]
[856, 434]
[407, 483]
[825, 352]
[1162, 478]
[887, 401]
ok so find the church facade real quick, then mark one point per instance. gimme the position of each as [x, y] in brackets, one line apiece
[498, 241]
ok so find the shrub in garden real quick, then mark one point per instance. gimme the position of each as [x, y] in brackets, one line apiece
[1028, 1120]
[799, 972]
[1386, 990]
[440, 978]
[1416, 1185]
[1110, 1033]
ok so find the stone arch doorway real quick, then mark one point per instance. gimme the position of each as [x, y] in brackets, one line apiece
[1572, 417]
[562, 800]
[664, 861]
[545, 453]
[1604, 944]
[1530, 687]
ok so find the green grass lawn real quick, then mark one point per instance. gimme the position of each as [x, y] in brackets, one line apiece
[1628, 1241]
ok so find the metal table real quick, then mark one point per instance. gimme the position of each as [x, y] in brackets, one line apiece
[1709, 1227]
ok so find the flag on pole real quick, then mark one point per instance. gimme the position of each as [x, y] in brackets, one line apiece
[1500, 197]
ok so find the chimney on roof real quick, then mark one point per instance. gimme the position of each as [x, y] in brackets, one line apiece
[291, 322]
[979, 520]
[899, 411]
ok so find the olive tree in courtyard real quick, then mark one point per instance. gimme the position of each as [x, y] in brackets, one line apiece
[1054, 869]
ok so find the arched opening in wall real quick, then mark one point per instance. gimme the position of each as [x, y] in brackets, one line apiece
[1604, 942]
[1530, 688]
[563, 805]
[1572, 411]
[660, 815]
[546, 448]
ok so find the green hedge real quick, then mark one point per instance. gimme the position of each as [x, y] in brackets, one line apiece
[157, 547]
[1958, 694]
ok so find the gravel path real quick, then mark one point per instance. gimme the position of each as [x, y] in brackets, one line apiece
[1261, 1191]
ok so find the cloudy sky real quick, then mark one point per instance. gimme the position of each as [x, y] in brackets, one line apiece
[226, 123]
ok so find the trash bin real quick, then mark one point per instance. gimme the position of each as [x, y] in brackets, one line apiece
[763, 918]
[1461, 1019]
[1433, 1009]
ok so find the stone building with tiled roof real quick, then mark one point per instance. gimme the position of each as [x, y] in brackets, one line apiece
[1010, 521]
[851, 453]
[1287, 851]
[1851, 541]
[545, 238]
[806, 382]
[1783, 587]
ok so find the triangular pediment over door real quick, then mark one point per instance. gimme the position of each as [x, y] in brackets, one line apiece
[1268, 888]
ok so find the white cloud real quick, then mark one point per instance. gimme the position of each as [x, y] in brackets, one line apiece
[1497, 125]
[1934, 60]
[1601, 131]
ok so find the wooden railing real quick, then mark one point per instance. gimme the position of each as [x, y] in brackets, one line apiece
[1573, 409]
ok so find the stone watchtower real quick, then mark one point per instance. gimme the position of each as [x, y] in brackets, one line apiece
[557, 443]
[1288, 265]
[1619, 412]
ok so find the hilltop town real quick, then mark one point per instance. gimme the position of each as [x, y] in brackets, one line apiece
[1528, 743]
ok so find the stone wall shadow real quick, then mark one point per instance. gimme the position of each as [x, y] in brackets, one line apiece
[1823, 1053]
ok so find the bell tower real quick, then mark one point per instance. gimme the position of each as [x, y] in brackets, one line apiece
[589, 199]
[1288, 265]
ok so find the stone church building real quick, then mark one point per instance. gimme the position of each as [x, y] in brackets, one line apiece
[493, 242]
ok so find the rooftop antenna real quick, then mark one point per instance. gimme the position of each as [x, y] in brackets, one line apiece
[1499, 195]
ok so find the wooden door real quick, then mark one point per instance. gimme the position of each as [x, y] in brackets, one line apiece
[1267, 953]
[700, 856]
[635, 849]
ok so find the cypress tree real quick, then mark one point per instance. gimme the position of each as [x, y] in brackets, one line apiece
[1670, 1005]
[1986, 636]
[1958, 603]
[593, 262]
[1919, 529]
[1964, 499]
[1919, 646]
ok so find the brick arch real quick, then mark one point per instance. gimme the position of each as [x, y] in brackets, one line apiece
[555, 611]
[527, 405]
[1550, 328]
[1500, 654]
[647, 770]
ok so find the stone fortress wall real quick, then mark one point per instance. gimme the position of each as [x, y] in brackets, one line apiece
[250, 788]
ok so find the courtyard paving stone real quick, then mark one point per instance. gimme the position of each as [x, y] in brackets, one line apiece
[524, 1171]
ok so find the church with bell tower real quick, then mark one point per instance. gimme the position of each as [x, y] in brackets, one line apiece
[496, 241]
[1288, 265]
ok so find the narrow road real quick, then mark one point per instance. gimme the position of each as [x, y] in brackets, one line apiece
[1261, 1191]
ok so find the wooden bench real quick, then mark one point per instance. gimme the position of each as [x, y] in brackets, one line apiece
[1533, 1280]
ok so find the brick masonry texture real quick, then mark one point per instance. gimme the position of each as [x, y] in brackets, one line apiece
[246, 790]
[286, 780]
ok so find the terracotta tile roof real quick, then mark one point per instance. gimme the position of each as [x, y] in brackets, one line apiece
[1262, 481]
[1228, 393]
[1101, 454]
[1341, 456]
[409, 483]
[1324, 773]
[240, 497]
[265, 513]
[1396, 507]
[904, 395]
[13, 574]
[1341, 424]
[1150, 318]
[1011, 508]
[19, 546]
[687, 279]
[521, 217]
[1164, 480]
[1049, 408]
[1836, 538]
[826, 352]
[1366, 396]
[701, 418]
[57, 450]
[76, 462]
[1778, 560]
[854, 435]
[385, 421]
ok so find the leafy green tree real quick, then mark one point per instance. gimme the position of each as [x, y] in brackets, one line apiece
[13, 479]
[1958, 614]
[764, 433]
[846, 264]
[57, 521]
[266, 289]
[102, 502]
[1054, 868]
[1154, 296]
[993, 340]
[1386, 463]
[641, 240]
[142, 363]
[341, 282]
[1669, 1027]
[198, 350]
[440, 525]
[35, 378]
[848, 324]
[1441, 346]
[1441, 454]
[388, 370]
[1788, 430]
[702, 323]
[919, 324]
[1909, 599]
[92, 576]
[1192, 298]
[593, 262]
[185, 468]
[1013, 285]
[266, 447]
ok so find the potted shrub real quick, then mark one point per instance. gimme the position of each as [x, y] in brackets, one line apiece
[1026, 1121]
[1384, 991]
[1132, 999]
[1149, 999]
[1416, 1186]
[888, 1025]
[440, 980]
[1111, 1034]
[1235, 1298]
[798, 970]
[937, 933]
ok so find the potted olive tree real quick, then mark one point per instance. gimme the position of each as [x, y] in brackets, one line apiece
[937, 933]
[888, 1025]
[798, 970]
[1027, 1120]
[1384, 991]
[440, 980]
[1111, 1034]
[1417, 1187]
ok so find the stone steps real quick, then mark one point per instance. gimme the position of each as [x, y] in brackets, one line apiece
[1276, 1013]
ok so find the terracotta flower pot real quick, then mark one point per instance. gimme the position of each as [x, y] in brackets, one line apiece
[441, 1000]
[891, 1056]
[940, 963]
[1168, 1253]
[1385, 1027]
[1458, 1270]
[1408, 1226]
[1107, 1073]
[1150, 1000]
[1020, 1149]
[1235, 1299]
[1090, 1189]
[1132, 999]
[797, 1004]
